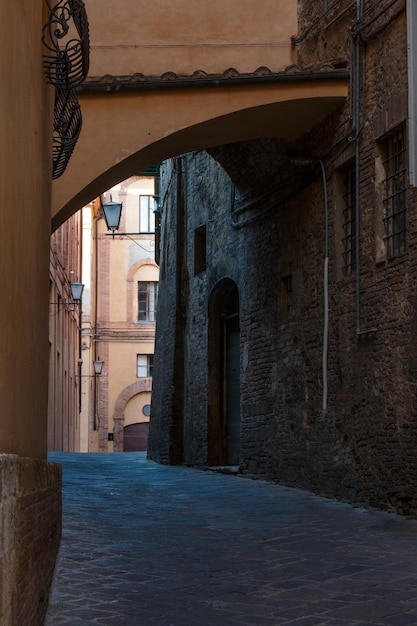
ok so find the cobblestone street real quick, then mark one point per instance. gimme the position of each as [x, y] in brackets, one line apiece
[145, 544]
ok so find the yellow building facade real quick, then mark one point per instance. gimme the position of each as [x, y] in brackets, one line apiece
[30, 486]
[119, 315]
[65, 314]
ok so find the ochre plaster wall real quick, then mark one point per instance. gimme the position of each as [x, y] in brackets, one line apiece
[156, 125]
[25, 182]
[134, 409]
[182, 37]
[30, 487]
[125, 262]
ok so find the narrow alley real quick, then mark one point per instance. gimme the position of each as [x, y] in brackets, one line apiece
[145, 544]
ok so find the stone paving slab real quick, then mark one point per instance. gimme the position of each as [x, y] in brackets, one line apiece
[151, 545]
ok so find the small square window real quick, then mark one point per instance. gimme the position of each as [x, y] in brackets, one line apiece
[200, 250]
[144, 365]
[286, 297]
[146, 214]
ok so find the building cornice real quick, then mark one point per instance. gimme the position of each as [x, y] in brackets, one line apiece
[200, 79]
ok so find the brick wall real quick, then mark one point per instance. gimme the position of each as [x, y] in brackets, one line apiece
[165, 441]
[31, 530]
[263, 205]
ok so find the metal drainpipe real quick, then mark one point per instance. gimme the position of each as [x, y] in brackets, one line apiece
[325, 279]
[80, 314]
[356, 113]
[325, 289]
[96, 420]
[357, 139]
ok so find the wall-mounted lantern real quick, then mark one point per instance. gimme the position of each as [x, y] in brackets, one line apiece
[112, 212]
[98, 366]
[76, 289]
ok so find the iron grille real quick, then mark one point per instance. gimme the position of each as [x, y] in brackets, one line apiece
[349, 220]
[395, 192]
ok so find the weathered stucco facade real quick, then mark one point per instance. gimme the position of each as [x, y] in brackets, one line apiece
[311, 244]
[116, 403]
[65, 315]
[30, 487]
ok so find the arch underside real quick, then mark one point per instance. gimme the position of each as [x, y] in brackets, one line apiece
[124, 133]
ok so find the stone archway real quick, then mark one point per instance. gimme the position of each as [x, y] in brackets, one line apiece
[281, 105]
[119, 410]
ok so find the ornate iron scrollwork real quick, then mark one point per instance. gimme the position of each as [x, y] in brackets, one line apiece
[67, 128]
[66, 37]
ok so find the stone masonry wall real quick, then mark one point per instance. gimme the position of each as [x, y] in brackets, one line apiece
[263, 206]
[30, 510]
[164, 441]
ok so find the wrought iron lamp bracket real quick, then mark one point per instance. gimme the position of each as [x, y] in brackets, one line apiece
[66, 38]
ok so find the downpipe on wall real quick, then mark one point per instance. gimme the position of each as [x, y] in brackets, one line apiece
[325, 349]
[357, 139]
[325, 289]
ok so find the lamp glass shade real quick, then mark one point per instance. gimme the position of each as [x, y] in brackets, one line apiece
[155, 199]
[76, 291]
[112, 212]
[98, 366]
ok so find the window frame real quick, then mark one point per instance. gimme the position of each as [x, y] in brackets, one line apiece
[149, 214]
[287, 297]
[348, 181]
[146, 365]
[147, 300]
[200, 249]
[394, 191]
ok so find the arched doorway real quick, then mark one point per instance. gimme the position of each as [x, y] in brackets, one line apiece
[131, 417]
[224, 375]
[136, 422]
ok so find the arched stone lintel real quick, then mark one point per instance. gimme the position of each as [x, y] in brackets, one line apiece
[141, 385]
[127, 394]
[132, 271]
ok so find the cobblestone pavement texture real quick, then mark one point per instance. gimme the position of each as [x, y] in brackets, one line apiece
[151, 545]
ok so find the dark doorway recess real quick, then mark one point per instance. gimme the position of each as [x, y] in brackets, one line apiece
[224, 375]
[135, 437]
